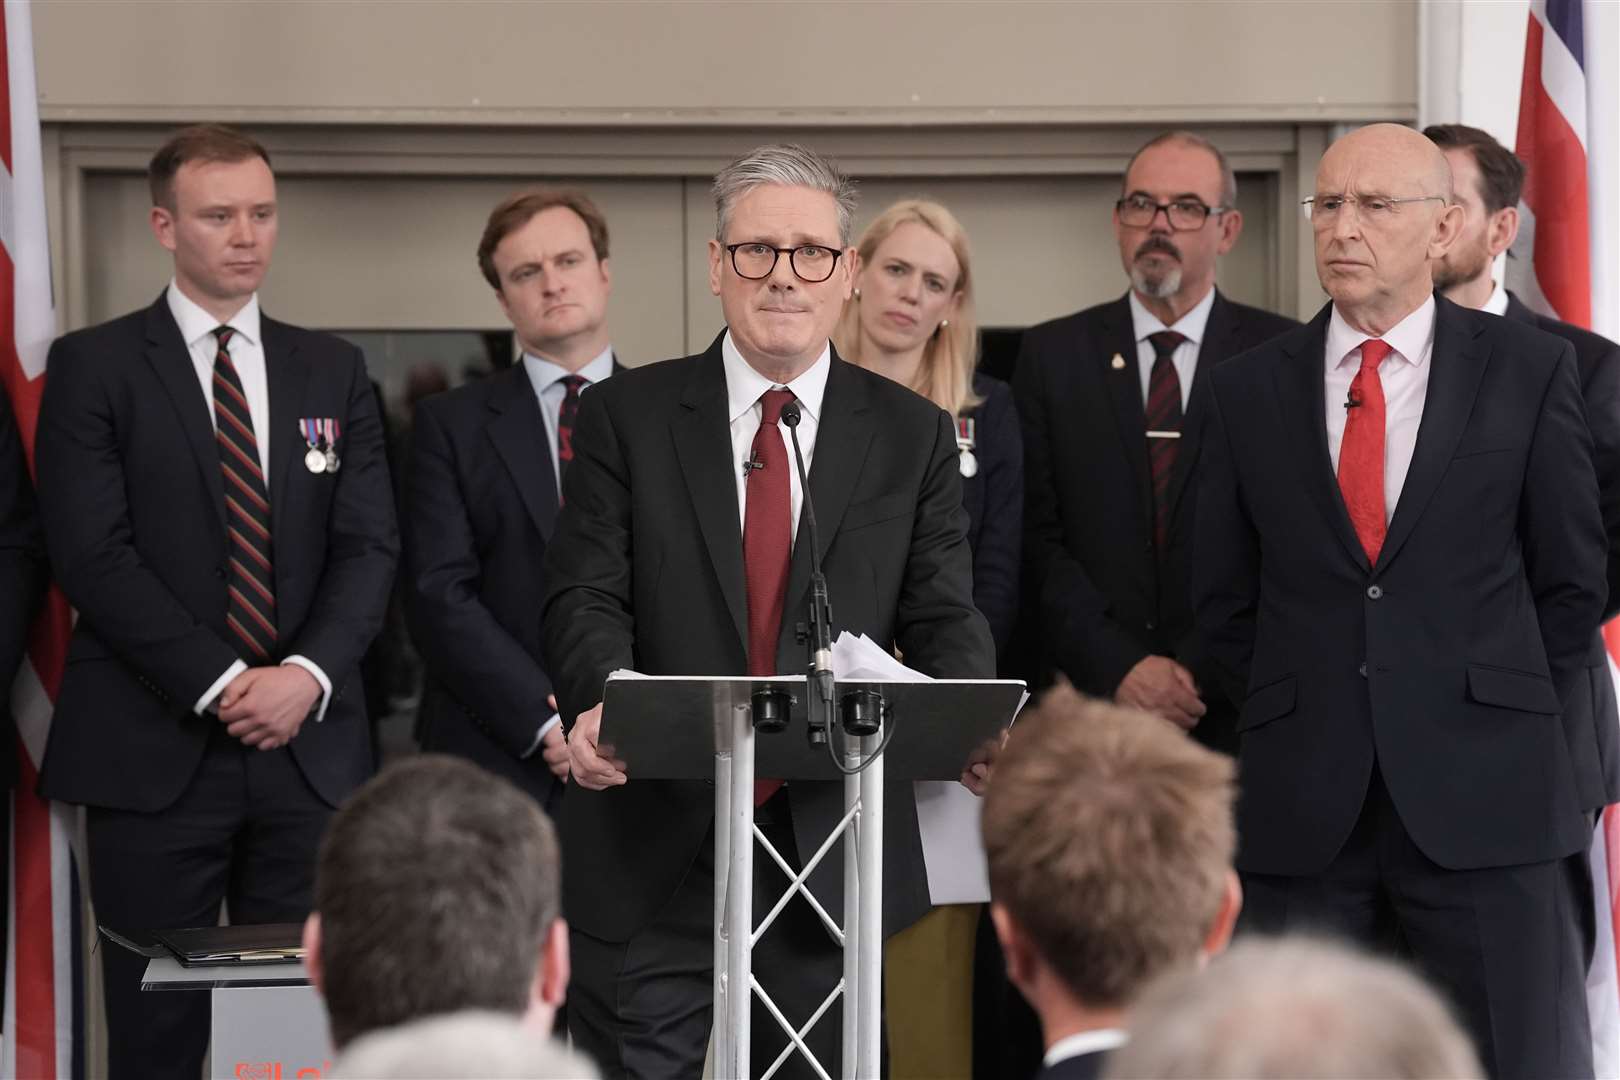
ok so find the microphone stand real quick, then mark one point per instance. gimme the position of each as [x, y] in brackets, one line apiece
[817, 636]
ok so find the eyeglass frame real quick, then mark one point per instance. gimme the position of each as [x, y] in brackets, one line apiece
[1308, 204]
[776, 257]
[1209, 212]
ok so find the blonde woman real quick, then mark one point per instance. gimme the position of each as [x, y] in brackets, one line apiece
[911, 318]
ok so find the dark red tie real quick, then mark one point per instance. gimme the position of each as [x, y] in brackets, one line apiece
[767, 541]
[1163, 417]
[251, 584]
[1361, 453]
[566, 412]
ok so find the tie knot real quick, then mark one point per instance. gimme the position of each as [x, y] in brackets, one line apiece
[771, 403]
[572, 384]
[1373, 351]
[224, 334]
[1165, 343]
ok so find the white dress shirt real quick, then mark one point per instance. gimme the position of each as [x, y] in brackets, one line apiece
[547, 380]
[246, 349]
[1085, 1042]
[1404, 374]
[1497, 304]
[1185, 358]
[744, 388]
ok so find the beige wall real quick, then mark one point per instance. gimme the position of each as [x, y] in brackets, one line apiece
[617, 63]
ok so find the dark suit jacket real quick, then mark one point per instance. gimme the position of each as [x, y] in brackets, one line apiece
[645, 571]
[1590, 716]
[132, 500]
[994, 497]
[1107, 597]
[480, 507]
[23, 575]
[1080, 1067]
[1451, 658]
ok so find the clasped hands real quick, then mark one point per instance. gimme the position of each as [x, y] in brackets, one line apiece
[265, 706]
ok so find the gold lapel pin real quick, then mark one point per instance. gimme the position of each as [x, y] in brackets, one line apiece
[1118, 362]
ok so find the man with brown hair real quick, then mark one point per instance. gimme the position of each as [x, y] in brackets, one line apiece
[1110, 839]
[216, 506]
[484, 485]
[438, 889]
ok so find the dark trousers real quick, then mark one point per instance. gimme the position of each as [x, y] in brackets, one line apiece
[643, 1007]
[1508, 946]
[244, 832]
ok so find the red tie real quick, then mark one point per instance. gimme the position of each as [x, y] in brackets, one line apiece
[767, 540]
[566, 412]
[1361, 453]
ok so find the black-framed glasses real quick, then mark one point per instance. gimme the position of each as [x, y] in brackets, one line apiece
[1184, 215]
[813, 263]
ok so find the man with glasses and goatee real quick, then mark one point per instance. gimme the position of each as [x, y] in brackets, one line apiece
[217, 507]
[683, 548]
[1112, 405]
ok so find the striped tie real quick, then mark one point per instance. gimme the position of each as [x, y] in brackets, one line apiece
[1163, 415]
[251, 612]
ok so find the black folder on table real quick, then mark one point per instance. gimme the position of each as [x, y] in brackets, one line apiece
[204, 946]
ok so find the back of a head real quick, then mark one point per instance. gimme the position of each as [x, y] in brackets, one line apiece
[469, 1045]
[435, 886]
[1109, 836]
[1294, 1007]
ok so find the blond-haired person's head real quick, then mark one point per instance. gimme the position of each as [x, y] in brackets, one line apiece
[1297, 1008]
[911, 316]
[1110, 838]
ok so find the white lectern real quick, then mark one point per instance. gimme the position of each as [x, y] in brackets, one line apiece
[693, 728]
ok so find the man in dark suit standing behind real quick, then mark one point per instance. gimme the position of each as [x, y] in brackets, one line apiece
[1112, 404]
[1400, 565]
[682, 548]
[217, 507]
[1488, 178]
[487, 462]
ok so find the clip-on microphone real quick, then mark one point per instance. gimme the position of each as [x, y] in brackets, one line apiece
[817, 636]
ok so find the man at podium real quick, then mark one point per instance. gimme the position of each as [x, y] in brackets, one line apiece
[681, 549]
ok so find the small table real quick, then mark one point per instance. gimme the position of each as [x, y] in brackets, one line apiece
[268, 1021]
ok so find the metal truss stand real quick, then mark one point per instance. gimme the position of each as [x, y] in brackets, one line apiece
[861, 934]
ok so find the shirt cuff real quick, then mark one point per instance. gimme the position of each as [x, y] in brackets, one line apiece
[320, 676]
[205, 704]
[540, 737]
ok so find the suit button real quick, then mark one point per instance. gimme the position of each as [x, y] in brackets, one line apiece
[219, 572]
[1374, 592]
[1363, 669]
[1151, 625]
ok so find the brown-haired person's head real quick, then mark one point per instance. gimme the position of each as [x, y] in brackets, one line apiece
[545, 253]
[437, 889]
[1487, 179]
[1110, 837]
[214, 209]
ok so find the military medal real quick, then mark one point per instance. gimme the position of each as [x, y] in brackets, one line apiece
[315, 461]
[330, 427]
[320, 435]
[965, 442]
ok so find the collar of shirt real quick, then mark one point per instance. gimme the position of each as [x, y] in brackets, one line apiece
[196, 324]
[1412, 339]
[1085, 1042]
[1190, 326]
[744, 385]
[1497, 304]
[543, 374]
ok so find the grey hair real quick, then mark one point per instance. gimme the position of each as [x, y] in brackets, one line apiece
[1188, 138]
[789, 165]
[1297, 1008]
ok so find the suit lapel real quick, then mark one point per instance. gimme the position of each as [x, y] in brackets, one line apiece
[1219, 333]
[286, 373]
[167, 354]
[1300, 381]
[1124, 382]
[702, 433]
[843, 435]
[1459, 361]
[519, 433]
